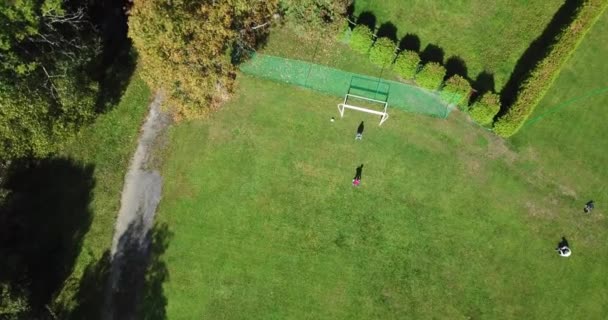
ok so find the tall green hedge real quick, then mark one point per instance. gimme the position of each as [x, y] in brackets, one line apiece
[382, 52]
[457, 90]
[484, 110]
[361, 38]
[545, 72]
[406, 64]
[431, 76]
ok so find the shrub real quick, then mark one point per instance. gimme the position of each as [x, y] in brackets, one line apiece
[545, 72]
[382, 52]
[431, 76]
[406, 64]
[361, 39]
[484, 110]
[457, 90]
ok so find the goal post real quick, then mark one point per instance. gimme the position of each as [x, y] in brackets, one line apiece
[347, 104]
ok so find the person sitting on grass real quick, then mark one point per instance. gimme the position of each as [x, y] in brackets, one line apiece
[564, 251]
[589, 206]
[563, 248]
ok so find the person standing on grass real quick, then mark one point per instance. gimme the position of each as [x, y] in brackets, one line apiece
[359, 135]
[357, 178]
[589, 206]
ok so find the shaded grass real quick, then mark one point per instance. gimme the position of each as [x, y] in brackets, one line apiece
[487, 36]
[108, 146]
[446, 224]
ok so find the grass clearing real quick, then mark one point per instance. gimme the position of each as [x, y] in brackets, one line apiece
[567, 131]
[446, 224]
[487, 36]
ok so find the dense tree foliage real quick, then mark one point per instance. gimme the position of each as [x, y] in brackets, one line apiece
[314, 13]
[47, 48]
[184, 45]
[484, 110]
[382, 52]
[456, 91]
[431, 76]
[406, 64]
[361, 38]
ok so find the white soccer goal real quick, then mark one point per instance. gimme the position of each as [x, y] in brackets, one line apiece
[346, 105]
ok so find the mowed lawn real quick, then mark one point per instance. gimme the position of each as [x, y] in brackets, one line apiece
[486, 35]
[448, 223]
[568, 130]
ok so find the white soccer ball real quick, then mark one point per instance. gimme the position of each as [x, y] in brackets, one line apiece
[332, 119]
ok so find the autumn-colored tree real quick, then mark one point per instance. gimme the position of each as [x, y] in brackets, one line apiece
[184, 47]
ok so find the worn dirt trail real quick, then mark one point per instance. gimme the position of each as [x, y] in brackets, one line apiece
[131, 244]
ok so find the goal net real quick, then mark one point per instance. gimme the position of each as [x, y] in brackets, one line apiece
[359, 103]
[366, 95]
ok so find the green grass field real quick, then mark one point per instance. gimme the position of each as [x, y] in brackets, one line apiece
[568, 130]
[486, 35]
[449, 223]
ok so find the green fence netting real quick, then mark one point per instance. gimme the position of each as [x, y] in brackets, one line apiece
[337, 82]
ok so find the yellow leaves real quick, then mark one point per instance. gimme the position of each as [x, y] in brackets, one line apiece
[183, 48]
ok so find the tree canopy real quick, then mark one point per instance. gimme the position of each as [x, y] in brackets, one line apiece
[184, 47]
[47, 48]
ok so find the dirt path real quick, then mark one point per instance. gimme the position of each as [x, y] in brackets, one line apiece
[130, 247]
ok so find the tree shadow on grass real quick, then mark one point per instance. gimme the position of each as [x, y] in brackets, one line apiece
[387, 30]
[410, 42]
[455, 65]
[368, 19]
[140, 273]
[135, 288]
[432, 53]
[42, 224]
[536, 52]
[483, 83]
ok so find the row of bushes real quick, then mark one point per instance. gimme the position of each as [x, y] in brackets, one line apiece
[545, 72]
[407, 64]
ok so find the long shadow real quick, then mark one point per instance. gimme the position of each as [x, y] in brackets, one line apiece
[42, 223]
[432, 53]
[368, 19]
[410, 42]
[483, 83]
[137, 274]
[455, 65]
[387, 30]
[536, 52]
[118, 57]
[139, 292]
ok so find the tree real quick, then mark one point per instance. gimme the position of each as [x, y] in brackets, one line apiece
[484, 110]
[315, 14]
[431, 76]
[457, 90]
[382, 52]
[361, 38]
[183, 46]
[406, 64]
[47, 49]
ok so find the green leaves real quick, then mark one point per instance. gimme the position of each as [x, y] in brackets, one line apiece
[431, 76]
[457, 91]
[484, 110]
[382, 52]
[406, 64]
[361, 39]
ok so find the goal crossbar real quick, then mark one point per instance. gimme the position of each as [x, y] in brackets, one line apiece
[345, 105]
